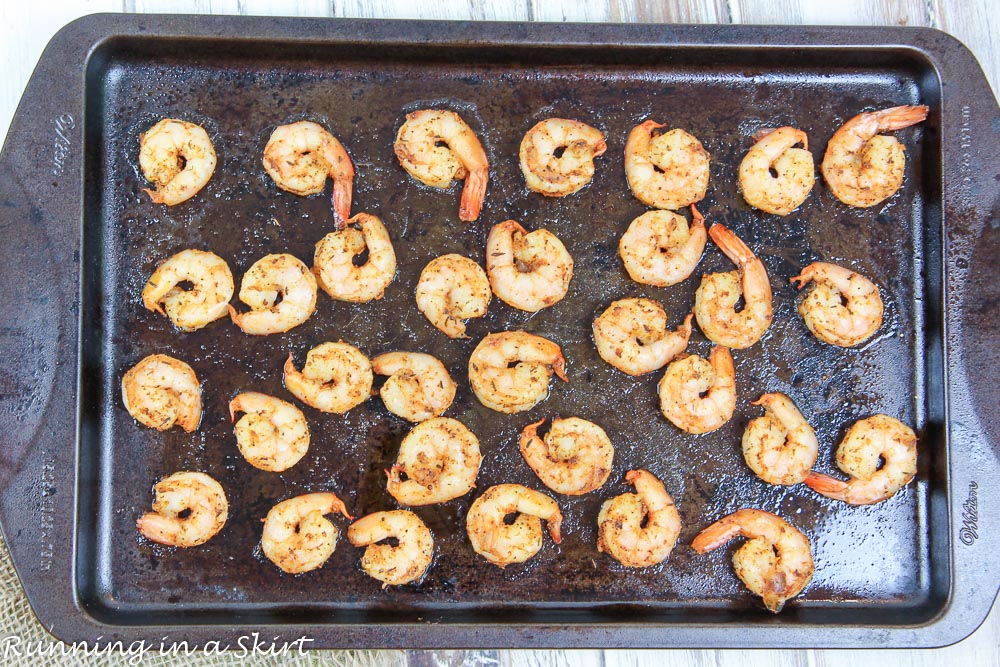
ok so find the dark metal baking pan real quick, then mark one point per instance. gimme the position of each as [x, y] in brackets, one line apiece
[79, 237]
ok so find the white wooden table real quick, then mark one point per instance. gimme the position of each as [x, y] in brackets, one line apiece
[25, 28]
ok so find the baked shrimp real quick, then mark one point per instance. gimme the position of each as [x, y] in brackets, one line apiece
[178, 157]
[632, 336]
[639, 529]
[573, 458]
[281, 293]
[510, 371]
[775, 176]
[660, 248]
[665, 169]
[452, 289]
[557, 156]
[161, 392]
[297, 535]
[336, 266]
[394, 564]
[272, 434]
[529, 271]
[335, 378]
[440, 459]
[699, 396]
[780, 447]
[842, 307]
[190, 508]
[501, 542]
[207, 299]
[418, 387]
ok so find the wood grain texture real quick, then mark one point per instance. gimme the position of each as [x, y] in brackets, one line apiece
[26, 30]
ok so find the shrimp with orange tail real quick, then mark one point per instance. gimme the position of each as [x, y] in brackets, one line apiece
[699, 395]
[503, 543]
[842, 307]
[639, 529]
[557, 156]
[509, 371]
[665, 169]
[632, 336]
[661, 249]
[775, 176]
[190, 508]
[573, 458]
[297, 535]
[781, 446]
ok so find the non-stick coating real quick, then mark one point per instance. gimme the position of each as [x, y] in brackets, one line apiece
[868, 557]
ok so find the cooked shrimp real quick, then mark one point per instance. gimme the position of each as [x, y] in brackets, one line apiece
[436, 147]
[573, 458]
[337, 272]
[639, 529]
[879, 439]
[451, 290]
[781, 446]
[509, 371]
[792, 168]
[503, 543]
[775, 563]
[440, 458]
[665, 170]
[297, 536]
[659, 248]
[195, 495]
[273, 434]
[206, 301]
[301, 156]
[632, 336]
[335, 378]
[178, 157]
[161, 392]
[699, 396]
[418, 387]
[281, 292]
[842, 308]
[393, 565]
[557, 156]
[862, 167]
[527, 271]
[716, 297]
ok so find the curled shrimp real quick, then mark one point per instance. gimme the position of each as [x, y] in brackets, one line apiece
[199, 498]
[573, 458]
[557, 156]
[781, 446]
[273, 434]
[337, 272]
[794, 174]
[297, 535]
[510, 371]
[440, 458]
[301, 156]
[659, 248]
[161, 392]
[842, 308]
[335, 378]
[503, 543]
[178, 157]
[206, 301]
[862, 167]
[451, 290]
[281, 293]
[665, 169]
[716, 297]
[418, 387]
[879, 439]
[639, 529]
[699, 396]
[632, 336]
[436, 147]
[396, 564]
[775, 562]
[527, 271]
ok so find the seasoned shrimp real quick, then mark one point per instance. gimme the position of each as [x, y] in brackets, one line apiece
[440, 458]
[781, 446]
[527, 271]
[337, 272]
[335, 378]
[451, 290]
[503, 543]
[178, 157]
[297, 536]
[573, 458]
[842, 308]
[418, 387]
[659, 248]
[794, 174]
[879, 439]
[716, 297]
[273, 434]
[557, 156]
[699, 396]
[199, 498]
[665, 170]
[436, 147]
[206, 301]
[301, 156]
[161, 392]
[632, 336]
[639, 529]
[862, 167]
[776, 561]
[281, 292]
[398, 564]
[509, 371]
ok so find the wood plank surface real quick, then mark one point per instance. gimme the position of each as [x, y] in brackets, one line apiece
[25, 30]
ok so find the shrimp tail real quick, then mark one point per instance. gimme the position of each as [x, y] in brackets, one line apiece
[828, 486]
[897, 118]
[804, 278]
[530, 431]
[716, 535]
[337, 505]
[342, 193]
[473, 195]
[730, 244]
[600, 147]
[156, 197]
[685, 328]
[555, 525]
[762, 132]
[697, 219]
[559, 366]
[650, 125]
